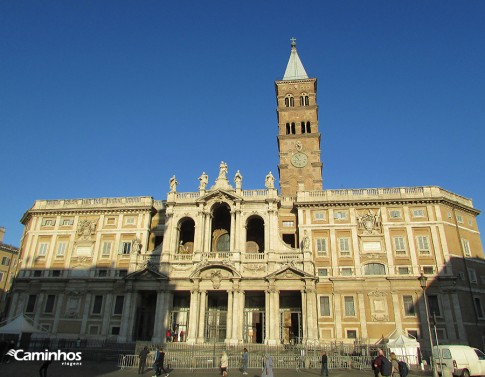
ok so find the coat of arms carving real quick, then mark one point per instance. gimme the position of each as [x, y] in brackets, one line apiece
[370, 222]
[86, 229]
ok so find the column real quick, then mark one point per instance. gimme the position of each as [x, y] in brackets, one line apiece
[230, 304]
[448, 315]
[132, 314]
[193, 317]
[269, 319]
[235, 314]
[60, 301]
[338, 316]
[39, 308]
[125, 318]
[202, 310]
[311, 314]
[232, 241]
[108, 310]
[207, 233]
[166, 311]
[460, 327]
[304, 314]
[240, 318]
[87, 306]
[158, 334]
[363, 319]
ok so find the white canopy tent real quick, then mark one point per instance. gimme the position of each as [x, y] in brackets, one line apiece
[20, 325]
[405, 347]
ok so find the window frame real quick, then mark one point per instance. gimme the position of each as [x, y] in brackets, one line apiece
[321, 306]
[353, 312]
[409, 306]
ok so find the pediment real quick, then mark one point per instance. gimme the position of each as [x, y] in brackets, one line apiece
[206, 271]
[146, 274]
[290, 272]
[219, 195]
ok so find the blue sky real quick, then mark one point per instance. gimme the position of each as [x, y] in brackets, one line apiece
[111, 98]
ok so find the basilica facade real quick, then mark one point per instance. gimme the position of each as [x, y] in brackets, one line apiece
[225, 264]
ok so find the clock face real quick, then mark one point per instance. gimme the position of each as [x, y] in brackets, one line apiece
[299, 160]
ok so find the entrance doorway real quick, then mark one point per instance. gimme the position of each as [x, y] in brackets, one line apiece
[254, 318]
[179, 316]
[216, 317]
[146, 302]
[291, 328]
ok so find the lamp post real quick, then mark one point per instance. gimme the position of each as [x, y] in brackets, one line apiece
[422, 281]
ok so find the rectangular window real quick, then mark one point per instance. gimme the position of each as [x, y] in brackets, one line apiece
[428, 270]
[5, 261]
[106, 250]
[97, 304]
[466, 248]
[433, 305]
[340, 215]
[351, 334]
[102, 273]
[413, 334]
[418, 212]
[115, 330]
[423, 244]
[403, 270]
[319, 216]
[67, 222]
[118, 309]
[349, 306]
[346, 271]
[55, 273]
[325, 306]
[31, 304]
[48, 222]
[409, 309]
[321, 246]
[37, 273]
[1, 276]
[459, 218]
[344, 246]
[472, 275]
[288, 224]
[61, 249]
[110, 220]
[478, 307]
[43, 247]
[399, 245]
[130, 220]
[49, 304]
[323, 272]
[125, 248]
[395, 214]
[121, 273]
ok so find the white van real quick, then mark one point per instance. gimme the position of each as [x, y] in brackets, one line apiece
[461, 360]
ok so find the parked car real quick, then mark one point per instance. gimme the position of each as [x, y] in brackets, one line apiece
[463, 361]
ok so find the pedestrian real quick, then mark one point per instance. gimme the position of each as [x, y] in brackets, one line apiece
[324, 364]
[382, 365]
[268, 366]
[245, 359]
[224, 364]
[182, 335]
[168, 335]
[395, 365]
[143, 360]
[159, 361]
[43, 368]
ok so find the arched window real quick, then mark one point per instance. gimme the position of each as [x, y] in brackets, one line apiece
[374, 269]
[293, 128]
[304, 100]
[303, 127]
[289, 101]
[288, 128]
[308, 128]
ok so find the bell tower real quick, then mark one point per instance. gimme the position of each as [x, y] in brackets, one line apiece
[300, 167]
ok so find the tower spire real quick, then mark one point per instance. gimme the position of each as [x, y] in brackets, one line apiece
[294, 69]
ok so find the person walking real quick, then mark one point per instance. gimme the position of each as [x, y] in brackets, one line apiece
[143, 360]
[159, 361]
[268, 366]
[324, 364]
[245, 359]
[382, 365]
[224, 364]
[395, 365]
[43, 368]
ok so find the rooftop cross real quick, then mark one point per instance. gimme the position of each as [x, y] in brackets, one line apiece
[293, 42]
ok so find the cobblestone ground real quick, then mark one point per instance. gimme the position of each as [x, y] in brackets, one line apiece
[109, 369]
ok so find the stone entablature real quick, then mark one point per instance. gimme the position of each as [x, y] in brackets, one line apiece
[400, 194]
[102, 203]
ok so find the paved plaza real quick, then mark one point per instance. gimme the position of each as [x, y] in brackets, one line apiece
[110, 369]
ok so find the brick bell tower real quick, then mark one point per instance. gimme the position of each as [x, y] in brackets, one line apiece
[300, 167]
